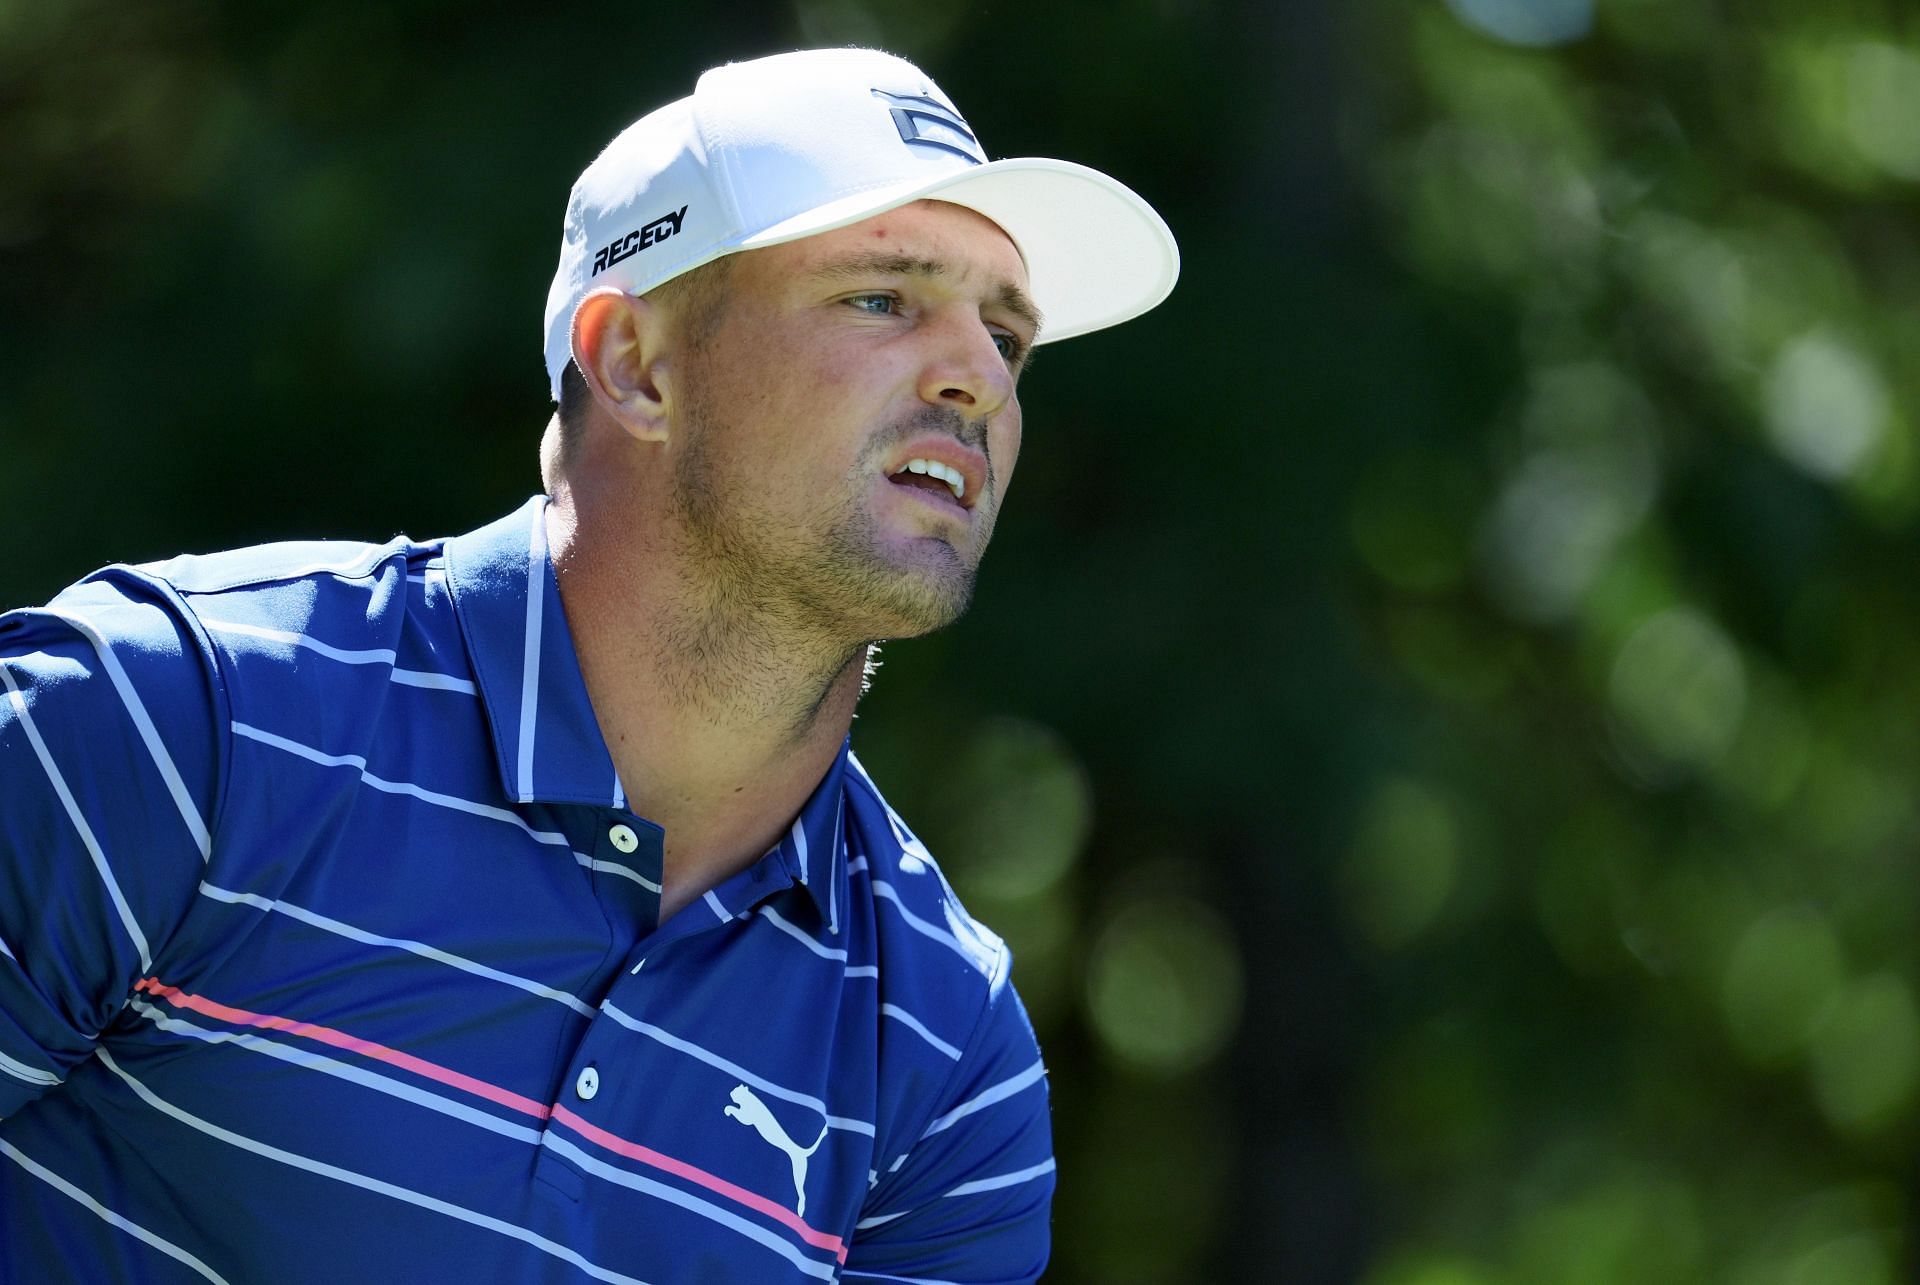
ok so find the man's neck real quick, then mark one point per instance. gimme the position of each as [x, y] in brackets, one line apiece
[719, 720]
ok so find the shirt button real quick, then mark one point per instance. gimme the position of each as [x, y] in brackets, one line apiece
[624, 838]
[588, 1084]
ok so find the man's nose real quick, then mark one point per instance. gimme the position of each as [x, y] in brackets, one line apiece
[965, 370]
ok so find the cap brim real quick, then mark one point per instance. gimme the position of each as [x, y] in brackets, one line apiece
[1097, 254]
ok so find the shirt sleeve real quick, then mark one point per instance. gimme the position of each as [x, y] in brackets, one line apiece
[970, 1202]
[109, 760]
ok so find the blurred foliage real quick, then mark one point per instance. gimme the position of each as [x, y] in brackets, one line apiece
[1437, 723]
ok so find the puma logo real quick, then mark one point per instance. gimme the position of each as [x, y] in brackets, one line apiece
[747, 1108]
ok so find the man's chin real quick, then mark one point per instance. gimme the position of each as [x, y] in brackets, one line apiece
[912, 601]
[920, 609]
[907, 589]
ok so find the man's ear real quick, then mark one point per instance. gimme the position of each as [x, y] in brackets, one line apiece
[618, 343]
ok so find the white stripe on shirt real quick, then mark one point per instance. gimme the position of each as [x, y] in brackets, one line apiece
[31, 1074]
[800, 847]
[530, 661]
[368, 563]
[612, 868]
[311, 1061]
[67, 801]
[973, 1188]
[884, 889]
[137, 710]
[363, 1181]
[370, 656]
[914, 1024]
[693, 1204]
[342, 929]
[106, 1215]
[774, 917]
[734, 1069]
[520, 1133]
[833, 884]
[868, 1224]
[433, 682]
[998, 1181]
[396, 787]
[988, 1097]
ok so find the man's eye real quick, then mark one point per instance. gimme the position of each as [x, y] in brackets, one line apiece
[880, 305]
[1010, 347]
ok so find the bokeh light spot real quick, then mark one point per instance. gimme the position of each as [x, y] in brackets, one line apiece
[1403, 864]
[1635, 1228]
[1586, 484]
[1767, 763]
[1698, 280]
[1164, 983]
[1850, 1260]
[1866, 1056]
[1883, 102]
[1534, 23]
[1782, 978]
[1013, 810]
[1826, 406]
[1417, 1268]
[1679, 687]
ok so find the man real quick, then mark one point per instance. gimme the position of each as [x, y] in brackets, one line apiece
[510, 907]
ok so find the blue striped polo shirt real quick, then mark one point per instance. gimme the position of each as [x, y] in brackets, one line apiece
[329, 951]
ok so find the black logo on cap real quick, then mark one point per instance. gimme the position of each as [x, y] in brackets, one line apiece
[639, 239]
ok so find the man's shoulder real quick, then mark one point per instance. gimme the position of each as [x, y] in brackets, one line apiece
[282, 562]
[233, 610]
[252, 595]
[917, 913]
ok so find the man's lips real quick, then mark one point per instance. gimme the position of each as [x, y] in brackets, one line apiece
[939, 464]
[931, 491]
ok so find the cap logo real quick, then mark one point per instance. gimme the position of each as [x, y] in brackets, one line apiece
[928, 122]
[637, 240]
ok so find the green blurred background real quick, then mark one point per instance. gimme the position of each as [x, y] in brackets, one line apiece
[1438, 726]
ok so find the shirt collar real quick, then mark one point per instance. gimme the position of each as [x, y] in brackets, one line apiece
[546, 741]
[814, 844]
[545, 738]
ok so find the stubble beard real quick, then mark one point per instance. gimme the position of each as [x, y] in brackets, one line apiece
[835, 582]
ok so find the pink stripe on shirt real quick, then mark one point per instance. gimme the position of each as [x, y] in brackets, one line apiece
[740, 1195]
[352, 1043]
[505, 1097]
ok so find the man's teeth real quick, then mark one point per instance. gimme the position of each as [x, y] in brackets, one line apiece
[934, 468]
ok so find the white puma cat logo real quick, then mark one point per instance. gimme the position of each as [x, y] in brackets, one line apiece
[747, 1108]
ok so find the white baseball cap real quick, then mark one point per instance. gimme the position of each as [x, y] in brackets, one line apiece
[785, 147]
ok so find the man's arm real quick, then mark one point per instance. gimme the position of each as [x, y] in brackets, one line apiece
[971, 1200]
[110, 745]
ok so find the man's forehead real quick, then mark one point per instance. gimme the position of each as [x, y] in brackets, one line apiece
[964, 240]
[928, 239]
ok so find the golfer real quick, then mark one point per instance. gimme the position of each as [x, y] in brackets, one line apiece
[511, 906]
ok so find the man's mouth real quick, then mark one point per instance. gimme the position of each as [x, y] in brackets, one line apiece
[932, 475]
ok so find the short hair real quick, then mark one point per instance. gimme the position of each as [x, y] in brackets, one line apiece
[697, 298]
